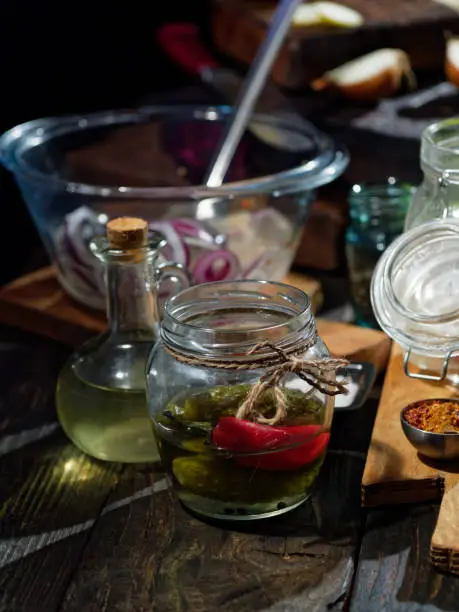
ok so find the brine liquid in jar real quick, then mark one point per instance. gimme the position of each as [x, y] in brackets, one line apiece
[230, 468]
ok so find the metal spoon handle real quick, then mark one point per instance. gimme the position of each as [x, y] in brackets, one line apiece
[250, 91]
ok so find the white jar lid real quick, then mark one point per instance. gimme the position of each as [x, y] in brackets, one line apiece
[415, 289]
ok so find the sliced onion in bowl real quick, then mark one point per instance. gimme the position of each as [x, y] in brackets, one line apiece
[87, 279]
[258, 262]
[186, 227]
[216, 266]
[191, 227]
[176, 248]
[197, 233]
[80, 227]
[78, 267]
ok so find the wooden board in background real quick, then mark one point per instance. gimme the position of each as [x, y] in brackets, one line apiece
[395, 473]
[37, 303]
[416, 26]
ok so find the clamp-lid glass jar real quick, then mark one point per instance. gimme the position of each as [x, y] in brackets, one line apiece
[240, 391]
[415, 298]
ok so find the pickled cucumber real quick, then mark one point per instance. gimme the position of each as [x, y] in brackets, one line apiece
[215, 483]
[208, 406]
[220, 479]
[197, 445]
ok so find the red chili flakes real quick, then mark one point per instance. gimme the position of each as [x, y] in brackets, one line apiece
[435, 416]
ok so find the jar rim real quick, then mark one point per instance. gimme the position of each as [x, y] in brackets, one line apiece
[439, 142]
[255, 296]
[429, 133]
[414, 329]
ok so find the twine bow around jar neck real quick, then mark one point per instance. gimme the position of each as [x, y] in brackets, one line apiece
[319, 374]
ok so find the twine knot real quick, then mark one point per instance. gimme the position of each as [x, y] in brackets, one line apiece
[320, 374]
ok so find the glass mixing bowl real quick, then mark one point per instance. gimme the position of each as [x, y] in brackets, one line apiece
[77, 172]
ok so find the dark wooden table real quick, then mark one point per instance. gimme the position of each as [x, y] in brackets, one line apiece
[80, 535]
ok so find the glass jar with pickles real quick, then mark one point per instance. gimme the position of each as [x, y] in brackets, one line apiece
[240, 392]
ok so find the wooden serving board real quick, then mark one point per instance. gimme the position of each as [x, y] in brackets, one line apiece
[37, 303]
[416, 26]
[396, 474]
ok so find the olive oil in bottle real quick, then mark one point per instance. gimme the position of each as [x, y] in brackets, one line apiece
[103, 419]
[100, 396]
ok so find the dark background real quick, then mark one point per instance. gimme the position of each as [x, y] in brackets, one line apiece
[61, 57]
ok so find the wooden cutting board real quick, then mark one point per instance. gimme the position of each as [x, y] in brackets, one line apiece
[395, 473]
[416, 26]
[37, 303]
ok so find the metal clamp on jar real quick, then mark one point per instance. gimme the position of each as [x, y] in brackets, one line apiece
[415, 298]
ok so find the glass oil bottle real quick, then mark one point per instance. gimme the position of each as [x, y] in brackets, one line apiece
[100, 394]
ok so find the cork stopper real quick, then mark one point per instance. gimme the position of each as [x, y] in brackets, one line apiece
[127, 232]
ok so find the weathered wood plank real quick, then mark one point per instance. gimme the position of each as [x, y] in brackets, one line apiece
[147, 553]
[50, 493]
[394, 472]
[394, 573]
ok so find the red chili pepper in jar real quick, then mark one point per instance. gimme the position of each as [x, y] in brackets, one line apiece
[240, 436]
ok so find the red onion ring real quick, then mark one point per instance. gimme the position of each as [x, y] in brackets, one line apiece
[176, 248]
[75, 261]
[79, 228]
[204, 270]
[188, 227]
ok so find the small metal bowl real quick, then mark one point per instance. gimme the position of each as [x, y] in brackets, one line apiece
[434, 445]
